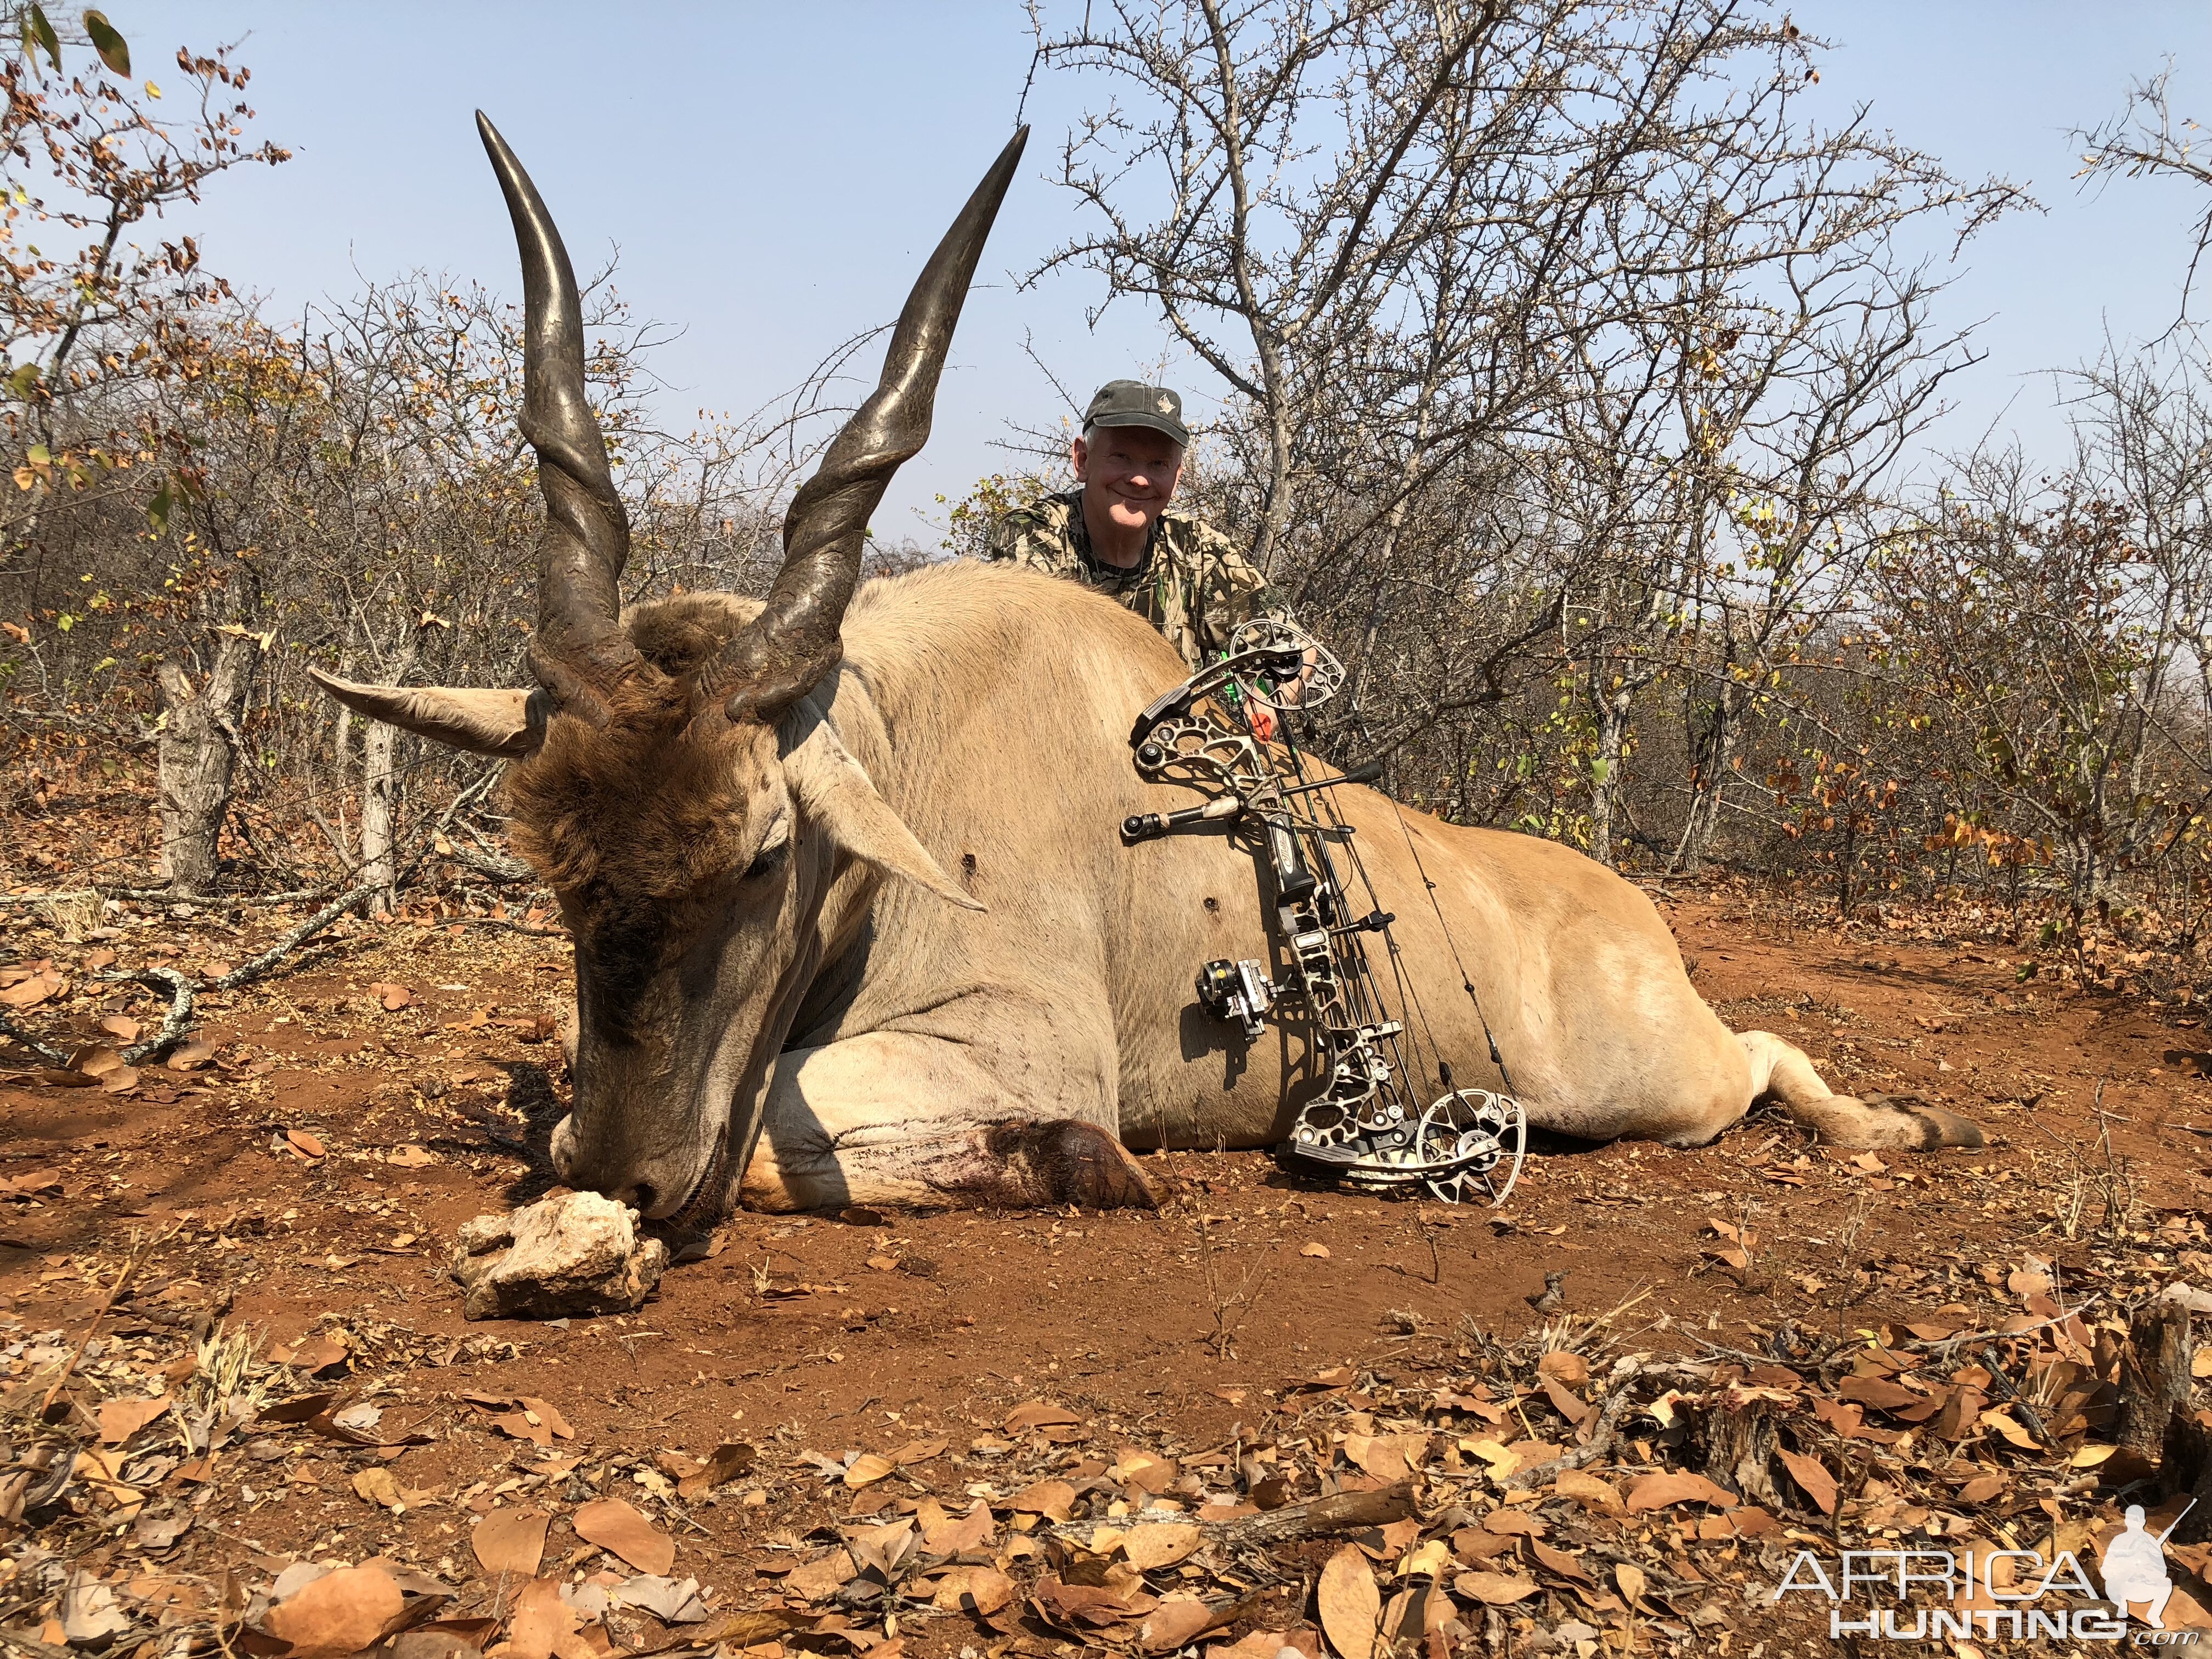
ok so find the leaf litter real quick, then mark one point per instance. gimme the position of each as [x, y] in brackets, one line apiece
[1586, 1480]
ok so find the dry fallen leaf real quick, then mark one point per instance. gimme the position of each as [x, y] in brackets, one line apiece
[1563, 1366]
[1981, 1489]
[620, 1529]
[1175, 1623]
[1050, 1498]
[1040, 1414]
[306, 1145]
[730, 1460]
[1159, 1544]
[510, 1541]
[121, 1419]
[380, 1487]
[1559, 1561]
[1628, 1578]
[2031, 1278]
[314, 1354]
[190, 1056]
[1317, 1249]
[821, 1578]
[1350, 1604]
[544, 1626]
[2004, 1423]
[979, 1590]
[971, 1531]
[868, 1469]
[393, 997]
[339, 1613]
[1813, 1475]
[410, 1158]
[531, 1419]
[1382, 1455]
[1260, 1645]
[1495, 1590]
[1659, 1491]
[30, 992]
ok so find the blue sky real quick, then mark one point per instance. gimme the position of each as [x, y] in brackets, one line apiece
[773, 174]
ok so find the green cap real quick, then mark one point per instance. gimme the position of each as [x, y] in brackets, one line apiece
[1131, 403]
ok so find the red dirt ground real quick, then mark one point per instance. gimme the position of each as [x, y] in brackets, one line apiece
[817, 1334]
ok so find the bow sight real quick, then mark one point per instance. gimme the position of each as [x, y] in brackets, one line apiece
[1361, 1127]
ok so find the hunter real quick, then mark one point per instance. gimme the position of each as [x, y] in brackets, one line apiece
[1116, 532]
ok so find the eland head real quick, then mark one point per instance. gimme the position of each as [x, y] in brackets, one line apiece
[672, 782]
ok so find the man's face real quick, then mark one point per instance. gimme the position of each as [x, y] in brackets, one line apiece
[1130, 471]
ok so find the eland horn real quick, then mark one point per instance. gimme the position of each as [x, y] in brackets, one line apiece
[796, 640]
[579, 651]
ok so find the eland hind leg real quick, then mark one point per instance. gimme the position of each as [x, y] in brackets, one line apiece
[1781, 1073]
[892, 1117]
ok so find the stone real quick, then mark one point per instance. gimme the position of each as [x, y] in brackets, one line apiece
[578, 1253]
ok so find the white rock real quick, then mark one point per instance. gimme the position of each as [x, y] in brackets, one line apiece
[576, 1253]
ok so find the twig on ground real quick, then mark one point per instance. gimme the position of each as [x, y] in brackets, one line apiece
[44, 1051]
[1320, 1516]
[267, 963]
[174, 1024]
[2029, 1418]
[141, 1248]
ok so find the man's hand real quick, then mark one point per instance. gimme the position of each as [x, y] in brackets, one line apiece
[1289, 694]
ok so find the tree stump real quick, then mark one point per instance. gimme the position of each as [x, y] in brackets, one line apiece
[1738, 1442]
[2154, 1375]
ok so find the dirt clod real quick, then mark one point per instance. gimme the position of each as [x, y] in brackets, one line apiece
[576, 1253]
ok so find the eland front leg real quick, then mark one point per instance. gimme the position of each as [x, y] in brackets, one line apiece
[894, 1117]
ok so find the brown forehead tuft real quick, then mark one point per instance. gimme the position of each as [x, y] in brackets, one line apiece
[650, 807]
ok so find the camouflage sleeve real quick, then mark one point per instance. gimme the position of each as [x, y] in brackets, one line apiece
[1035, 537]
[1009, 537]
[1241, 591]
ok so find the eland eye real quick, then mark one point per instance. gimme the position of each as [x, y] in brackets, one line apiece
[768, 861]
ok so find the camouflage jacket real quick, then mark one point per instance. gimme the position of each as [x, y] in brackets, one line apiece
[1192, 583]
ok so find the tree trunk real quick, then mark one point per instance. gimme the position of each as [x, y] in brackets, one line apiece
[1704, 818]
[197, 757]
[380, 803]
[1605, 769]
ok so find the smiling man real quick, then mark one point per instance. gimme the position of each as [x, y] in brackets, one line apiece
[1118, 534]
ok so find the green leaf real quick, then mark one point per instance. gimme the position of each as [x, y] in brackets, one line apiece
[24, 380]
[114, 50]
[40, 455]
[158, 509]
[38, 32]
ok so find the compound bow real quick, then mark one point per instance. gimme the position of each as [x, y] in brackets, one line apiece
[1360, 1128]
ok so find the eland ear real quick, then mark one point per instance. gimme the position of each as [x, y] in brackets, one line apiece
[485, 722]
[834, 790]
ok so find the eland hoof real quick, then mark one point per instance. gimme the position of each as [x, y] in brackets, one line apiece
[1070, 1161]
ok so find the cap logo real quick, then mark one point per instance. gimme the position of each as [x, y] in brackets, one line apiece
[1167, 405]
